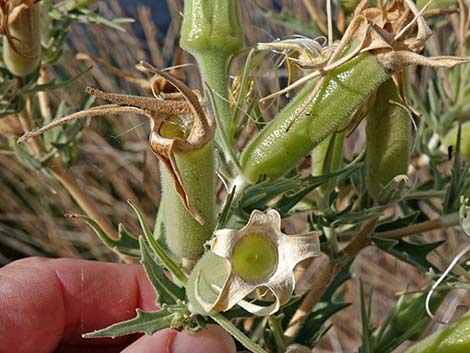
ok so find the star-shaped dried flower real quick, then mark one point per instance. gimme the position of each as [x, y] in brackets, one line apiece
[257, 256]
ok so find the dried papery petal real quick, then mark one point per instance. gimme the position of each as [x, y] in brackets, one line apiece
[261, 256]
[396, 60]
[166, 147]
[207, 279]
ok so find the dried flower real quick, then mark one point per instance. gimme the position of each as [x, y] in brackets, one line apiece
[257, 256]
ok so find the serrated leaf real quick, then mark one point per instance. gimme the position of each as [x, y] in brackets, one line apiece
[367, 328]
[397, 223]
[225, 213]
[407, 320]
[126, 244]
[144, 322]
[309, 334]
[168, 292]
[292, 190]
[412, 253]
[159, 251]
[27, 159]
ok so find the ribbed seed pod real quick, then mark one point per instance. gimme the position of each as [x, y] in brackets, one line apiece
[388, 139]
[22, 45]
[310, 117]
[185, 236]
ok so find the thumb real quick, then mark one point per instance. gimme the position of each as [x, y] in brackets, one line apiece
[214, 340]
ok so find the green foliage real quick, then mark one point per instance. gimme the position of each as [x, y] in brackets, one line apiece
[367, 202]
[412, 253]
[168, 292]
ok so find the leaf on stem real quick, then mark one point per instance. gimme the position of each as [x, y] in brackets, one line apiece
[167, 291]
[144, 322]
[126, 244]
[159, 251]
[413, 253]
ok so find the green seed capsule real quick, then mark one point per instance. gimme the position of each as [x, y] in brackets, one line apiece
[388, 139]
[254, 258]
[454, 338]
[22, 47]
[307, 120]
[211, 31]
[185, 236]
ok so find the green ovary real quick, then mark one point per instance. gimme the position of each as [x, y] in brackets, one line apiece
[254, 258]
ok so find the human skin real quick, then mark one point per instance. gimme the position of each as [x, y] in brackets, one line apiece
[47, 304]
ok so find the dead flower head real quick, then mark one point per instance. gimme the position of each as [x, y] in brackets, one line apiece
[182, 108]
[395, 34]
[258, 256]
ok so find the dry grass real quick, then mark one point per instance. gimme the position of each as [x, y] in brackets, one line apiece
[115, 164]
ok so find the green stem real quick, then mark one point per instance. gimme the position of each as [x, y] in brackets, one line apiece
[278, 334]
[157, 248]
[159, 228]
[444, 221]
[239, 336]
[214, 75]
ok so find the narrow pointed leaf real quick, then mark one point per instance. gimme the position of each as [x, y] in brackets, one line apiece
[236, 333]
[412, 253]
[168, 292]
[157, 248]
[126, 243]
[144, 322]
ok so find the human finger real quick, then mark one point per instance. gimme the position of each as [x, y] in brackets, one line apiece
[47, 301]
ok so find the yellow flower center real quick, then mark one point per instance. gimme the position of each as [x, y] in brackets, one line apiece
[254, 258]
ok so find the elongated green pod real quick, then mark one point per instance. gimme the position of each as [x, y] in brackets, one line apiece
[454, 338]
[388, 139]
[185, 236]
[184, 144]
[311, 116]
[22, 44]
[450, 140]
